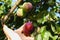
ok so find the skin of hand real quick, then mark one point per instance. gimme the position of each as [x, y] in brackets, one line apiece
[16, 34]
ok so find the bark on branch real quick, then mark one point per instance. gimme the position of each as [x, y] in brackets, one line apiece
[11, 10]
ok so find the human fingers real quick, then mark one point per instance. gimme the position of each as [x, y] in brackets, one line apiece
[10, 33]
[29, 38]
[20, 29]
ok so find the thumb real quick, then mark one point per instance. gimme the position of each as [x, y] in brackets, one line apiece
[10, 33]
[20, 29]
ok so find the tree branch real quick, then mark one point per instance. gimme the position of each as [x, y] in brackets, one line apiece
[11, 10]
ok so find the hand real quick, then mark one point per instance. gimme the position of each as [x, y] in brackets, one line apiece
[15, 34]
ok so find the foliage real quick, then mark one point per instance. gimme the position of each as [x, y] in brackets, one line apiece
[43, 16]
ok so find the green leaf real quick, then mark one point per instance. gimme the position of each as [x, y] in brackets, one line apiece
[1, 12]
[46, 35]
[42, 20]
[53, 28]
[58, 38]
[55, 37]
[35, 24]
[36, 0]
[39, 37]
[53, 15]
[57, 28]
[43, 29]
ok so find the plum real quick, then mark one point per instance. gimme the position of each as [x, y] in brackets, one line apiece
[28, 28]
[27, 6]
[20, 12]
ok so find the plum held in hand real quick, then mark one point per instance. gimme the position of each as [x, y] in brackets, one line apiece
[28, 28]
[27, 6]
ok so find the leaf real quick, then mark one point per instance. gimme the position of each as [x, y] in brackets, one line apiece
[53, 28]
[35, 24]
[53, 15]
[46, 35]
[55, 37]
[39, 20]
[57, 28]
[51, 2]
[39, 37]
[43, 29]
[58, 38]
[1, 12]
[36, 0]
[42, 20]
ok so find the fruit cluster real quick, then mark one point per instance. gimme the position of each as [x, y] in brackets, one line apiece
[26, 7]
